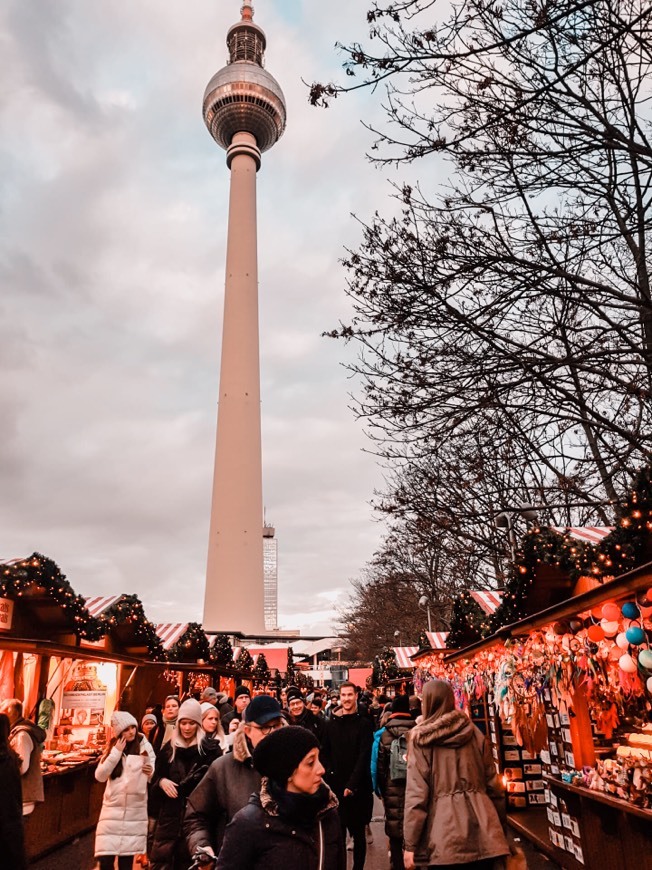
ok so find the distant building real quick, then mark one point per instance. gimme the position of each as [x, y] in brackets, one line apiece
[270, 573]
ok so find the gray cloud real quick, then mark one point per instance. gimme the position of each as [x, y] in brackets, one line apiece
[113, 231]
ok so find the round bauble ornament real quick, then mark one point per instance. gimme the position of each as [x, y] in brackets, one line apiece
[648, 595]
[576, 625]
[609, 627]
[610, 611]
[621, 640]
[630, 610]
[645, 659]
[596, 613]
[627, 664]
[595, 633]
[649, 685]
[635, 635]
[646, 612]
[560, 628]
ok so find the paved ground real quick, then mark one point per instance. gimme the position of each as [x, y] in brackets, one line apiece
[79, 854]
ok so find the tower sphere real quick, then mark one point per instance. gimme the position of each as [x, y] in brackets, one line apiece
[243, 97]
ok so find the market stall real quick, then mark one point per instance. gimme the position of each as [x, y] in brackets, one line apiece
[566, 697]
[69, 667]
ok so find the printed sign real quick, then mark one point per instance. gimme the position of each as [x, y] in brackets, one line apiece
[6, 614]
[83, 708]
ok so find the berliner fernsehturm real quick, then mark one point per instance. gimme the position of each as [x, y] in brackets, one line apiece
[244, 110]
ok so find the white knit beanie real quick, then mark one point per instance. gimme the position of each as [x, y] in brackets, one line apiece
[190, 709]
[206, 707]
[120, 720]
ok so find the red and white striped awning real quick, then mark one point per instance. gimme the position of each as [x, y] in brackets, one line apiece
[170, 632]
[437, 639]
[590, 534]
[488, 600]
[99, 604]
[403, 653]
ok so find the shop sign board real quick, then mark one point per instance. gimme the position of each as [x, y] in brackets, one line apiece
[6, 614]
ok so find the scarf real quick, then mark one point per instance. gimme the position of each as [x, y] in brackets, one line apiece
[299, 809]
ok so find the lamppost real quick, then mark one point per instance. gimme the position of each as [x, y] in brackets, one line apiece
[424, 604]
[397, 637]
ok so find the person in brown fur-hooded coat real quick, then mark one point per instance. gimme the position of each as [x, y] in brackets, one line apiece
[450, 819]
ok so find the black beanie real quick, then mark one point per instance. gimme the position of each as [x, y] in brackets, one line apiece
[401, 704]
[278, 755]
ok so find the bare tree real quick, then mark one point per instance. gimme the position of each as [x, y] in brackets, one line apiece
[514, 309]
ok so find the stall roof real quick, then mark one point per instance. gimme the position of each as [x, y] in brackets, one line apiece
[98, 605]
[631, 582]
[170, 632]
[488, 599]
[403, 656]
[589, 534]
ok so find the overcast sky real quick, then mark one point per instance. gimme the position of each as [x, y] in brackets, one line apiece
[113, 210]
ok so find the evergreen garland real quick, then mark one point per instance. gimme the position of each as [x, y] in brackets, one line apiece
[243, 660]
[27, 576]
[261, 673]
[222, 651]
[191, 646]
[290, 670]
[128, 610]
[630, 543]
[388, 666]
[469, 622]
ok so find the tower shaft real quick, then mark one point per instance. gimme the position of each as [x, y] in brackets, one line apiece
[234, 599]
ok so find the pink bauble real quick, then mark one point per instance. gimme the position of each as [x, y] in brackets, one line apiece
[621, 640]
[649, 685]
[610, 611]
[627, 664]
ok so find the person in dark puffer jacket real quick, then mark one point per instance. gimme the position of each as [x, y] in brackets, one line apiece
[231, 780]
[180, 766]
[293, 823]
[399, 723]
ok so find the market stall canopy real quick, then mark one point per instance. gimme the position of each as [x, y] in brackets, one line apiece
[404, 656]
[592, 534]
[488, 599]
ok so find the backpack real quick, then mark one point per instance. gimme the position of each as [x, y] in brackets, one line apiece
[398, 758]
[375, 747]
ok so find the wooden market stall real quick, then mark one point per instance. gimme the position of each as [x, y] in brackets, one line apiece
[565, 695]
[69, 668]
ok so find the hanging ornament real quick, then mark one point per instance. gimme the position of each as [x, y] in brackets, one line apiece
[627, 664]
[649, 685]
[630, 610]
[635, 635]
[560, 628]
[595, 633]
[645, 659]
[610, 611]
[610, 627]
[576, 625]
[596, 613]
[621, 640]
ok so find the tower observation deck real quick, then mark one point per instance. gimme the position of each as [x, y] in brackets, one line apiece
[244, 110]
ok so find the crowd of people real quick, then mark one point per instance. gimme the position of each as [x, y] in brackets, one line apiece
[266, 783]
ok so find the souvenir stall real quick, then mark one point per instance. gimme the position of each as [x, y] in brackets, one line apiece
[566, 697]
[69, 667]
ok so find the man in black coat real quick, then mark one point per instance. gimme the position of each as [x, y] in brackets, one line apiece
[230, 780]
[299, 714]
[347, 755]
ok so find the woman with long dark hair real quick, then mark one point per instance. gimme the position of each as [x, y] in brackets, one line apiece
[12, 838]
[450, 820]
[180, 765]
[125, 767]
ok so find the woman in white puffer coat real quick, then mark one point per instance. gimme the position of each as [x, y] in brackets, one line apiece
[126, 767]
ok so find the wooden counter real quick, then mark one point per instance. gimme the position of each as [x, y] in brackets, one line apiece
[73, 799]
[615, 835]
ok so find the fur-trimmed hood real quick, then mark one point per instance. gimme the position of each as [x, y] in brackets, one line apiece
[270, 806]
[451, 729]
[241, 750]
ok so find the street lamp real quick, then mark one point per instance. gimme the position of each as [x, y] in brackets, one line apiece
[397, 637]
[424, 604]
